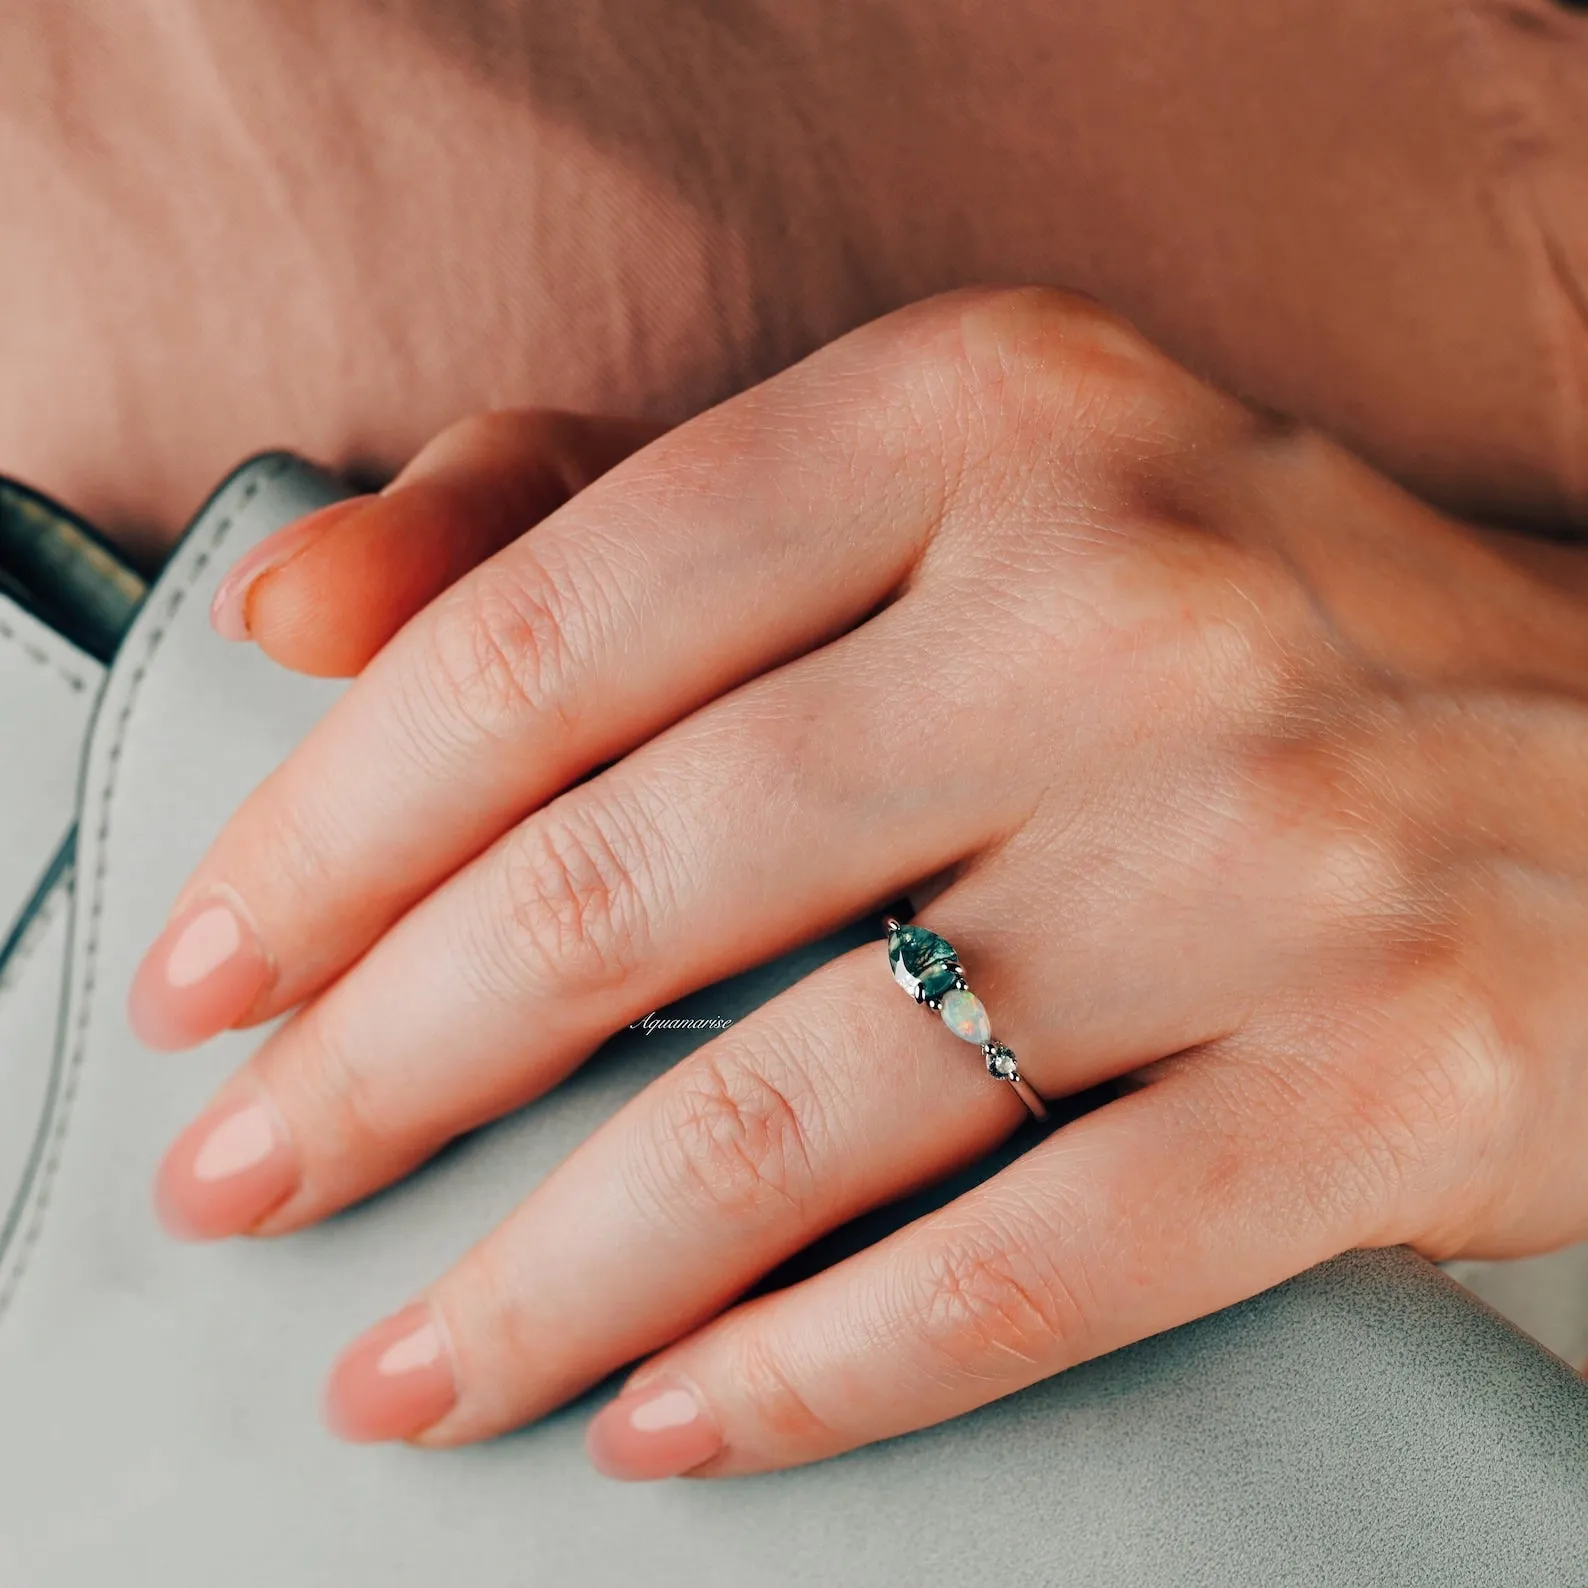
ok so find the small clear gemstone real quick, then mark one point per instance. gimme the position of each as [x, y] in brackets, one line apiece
[964, 1015]
[921, 959]
[1001, 1061]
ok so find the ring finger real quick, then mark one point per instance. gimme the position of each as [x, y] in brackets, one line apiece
[836, 1096]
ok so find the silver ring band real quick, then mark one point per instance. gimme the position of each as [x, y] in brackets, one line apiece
[927, 967]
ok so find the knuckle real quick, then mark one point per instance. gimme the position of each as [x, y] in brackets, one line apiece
[994, 1308]
[1386, 1115]
[332, 1096]
[782, 1409]
[1435, 1093]
[1480, 1072]
[1249, 628]
[730, 1139]
[985, 368]
[1361, 874]
[1063, 428]
[1218, 632]
[1027, 349]
[504, 648]
[303, 833]
[576, 881]
[1013, 323]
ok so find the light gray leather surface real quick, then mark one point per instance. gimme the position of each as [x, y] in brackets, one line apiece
[47, 694]
[30, 1003]
[1366, 1424]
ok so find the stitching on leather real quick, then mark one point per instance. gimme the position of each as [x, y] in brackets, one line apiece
[42, 658]
[56, 1128]
[44, 912]
[36, 931]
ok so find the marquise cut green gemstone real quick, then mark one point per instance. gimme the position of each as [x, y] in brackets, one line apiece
[919, 958]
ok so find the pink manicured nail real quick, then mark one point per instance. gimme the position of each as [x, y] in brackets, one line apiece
[229, 609]
[225, 1172]
[395, 1382]
[204, 972]
[657, 1430]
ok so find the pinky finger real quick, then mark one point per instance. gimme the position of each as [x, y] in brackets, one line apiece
[1173, 1202]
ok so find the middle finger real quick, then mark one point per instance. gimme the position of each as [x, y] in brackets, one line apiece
[732, 836]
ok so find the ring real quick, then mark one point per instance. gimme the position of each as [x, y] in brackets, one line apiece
[927, 967]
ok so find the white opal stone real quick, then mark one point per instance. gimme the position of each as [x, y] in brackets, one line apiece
[964, 1016]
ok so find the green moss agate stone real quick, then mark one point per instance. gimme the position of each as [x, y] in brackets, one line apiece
[921, 959]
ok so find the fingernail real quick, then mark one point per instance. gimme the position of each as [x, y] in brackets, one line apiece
[225, 1172]
[395, 1382]
[658, 1430]
[229, 609]
[204, 972]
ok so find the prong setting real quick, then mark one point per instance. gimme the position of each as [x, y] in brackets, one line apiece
[1000, 1061]
[926, 966]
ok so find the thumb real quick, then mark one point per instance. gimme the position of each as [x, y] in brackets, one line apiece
[323, 595]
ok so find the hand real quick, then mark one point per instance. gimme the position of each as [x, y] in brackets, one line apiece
[1228, 767]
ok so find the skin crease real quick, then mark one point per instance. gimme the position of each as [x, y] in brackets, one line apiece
[990, 601]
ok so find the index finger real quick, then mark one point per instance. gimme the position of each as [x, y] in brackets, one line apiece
[709, 557]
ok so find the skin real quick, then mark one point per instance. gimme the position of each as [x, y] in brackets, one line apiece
[1236, 772]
